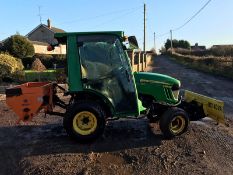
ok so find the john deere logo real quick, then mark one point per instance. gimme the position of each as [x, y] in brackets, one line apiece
[153, 81]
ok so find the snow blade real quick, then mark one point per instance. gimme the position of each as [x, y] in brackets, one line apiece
[211, 107]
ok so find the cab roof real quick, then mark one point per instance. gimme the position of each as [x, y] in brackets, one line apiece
[61, 35]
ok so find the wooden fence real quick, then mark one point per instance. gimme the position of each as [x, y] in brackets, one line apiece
[139, 59]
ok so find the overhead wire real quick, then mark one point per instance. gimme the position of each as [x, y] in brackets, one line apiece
[101, 15]
[97, 16]
[162, 34]
[185, 23]
[118, 17]
[192, 17]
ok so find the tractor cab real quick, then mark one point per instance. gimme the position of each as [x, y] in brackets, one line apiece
[98, 66]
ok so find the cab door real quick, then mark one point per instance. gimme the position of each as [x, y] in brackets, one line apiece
[106, 70]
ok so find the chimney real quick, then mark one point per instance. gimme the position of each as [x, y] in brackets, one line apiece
[49, 23]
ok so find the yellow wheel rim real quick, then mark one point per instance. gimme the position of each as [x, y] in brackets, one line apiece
[84, 123]
[177, 125]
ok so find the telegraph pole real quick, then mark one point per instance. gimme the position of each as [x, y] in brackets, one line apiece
[144, 39]
[171, 41]
[154, 40]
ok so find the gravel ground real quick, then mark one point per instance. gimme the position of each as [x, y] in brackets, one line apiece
[127, 146]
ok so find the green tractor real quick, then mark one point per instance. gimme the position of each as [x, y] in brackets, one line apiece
[102, 86]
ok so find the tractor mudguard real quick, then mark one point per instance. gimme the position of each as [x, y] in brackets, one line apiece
[204, 106]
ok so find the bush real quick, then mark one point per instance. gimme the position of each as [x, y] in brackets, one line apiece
[192, 52]
[60, 61]
[19, 47]
[222, 50]
[177, 44]
[11, 67]
[219, 51]
[182, 51]
[27, 62]
[215, 65]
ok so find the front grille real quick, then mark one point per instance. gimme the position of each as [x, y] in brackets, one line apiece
[172, 95]
[168, 93]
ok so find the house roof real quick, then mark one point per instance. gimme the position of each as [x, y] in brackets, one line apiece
[39, 43]
[198, 47]
[57, 30]
[53, 29]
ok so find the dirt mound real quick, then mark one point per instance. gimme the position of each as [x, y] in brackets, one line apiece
[38, 65]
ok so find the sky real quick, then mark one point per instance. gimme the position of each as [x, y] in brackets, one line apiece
[214, 25]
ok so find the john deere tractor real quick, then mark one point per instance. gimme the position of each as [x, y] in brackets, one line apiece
[102, 86]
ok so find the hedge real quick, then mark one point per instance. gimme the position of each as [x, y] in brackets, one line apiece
[57, 75]
[216, 65]
[10, 67]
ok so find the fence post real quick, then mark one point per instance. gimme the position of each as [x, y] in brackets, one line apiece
[141, 61]
[138, 61]
[144, 61]
[148, 58]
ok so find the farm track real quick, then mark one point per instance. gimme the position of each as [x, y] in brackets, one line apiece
[210, 85]
[127, 146]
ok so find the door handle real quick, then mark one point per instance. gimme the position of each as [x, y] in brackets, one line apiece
[127, 75]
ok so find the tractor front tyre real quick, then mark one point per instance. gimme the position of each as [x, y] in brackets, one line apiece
[174, 122]
[84, 121]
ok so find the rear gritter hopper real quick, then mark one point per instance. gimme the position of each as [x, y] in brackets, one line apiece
[27, 99]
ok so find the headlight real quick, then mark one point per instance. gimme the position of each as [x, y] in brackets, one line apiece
[176, 91]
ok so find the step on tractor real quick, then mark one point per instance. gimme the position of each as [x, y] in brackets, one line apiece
[102, 86]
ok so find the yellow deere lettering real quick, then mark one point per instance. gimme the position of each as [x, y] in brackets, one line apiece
[215, 106]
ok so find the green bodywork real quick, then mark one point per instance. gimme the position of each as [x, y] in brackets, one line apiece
[74, 70]
[98, 65]
[158, 86]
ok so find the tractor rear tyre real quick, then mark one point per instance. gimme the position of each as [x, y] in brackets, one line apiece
[84, 121]
[174, 122]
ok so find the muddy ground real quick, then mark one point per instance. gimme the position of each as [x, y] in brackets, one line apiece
[127, 146]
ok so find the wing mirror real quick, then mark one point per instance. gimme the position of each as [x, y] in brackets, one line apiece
[51, 47]
[125, 43]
